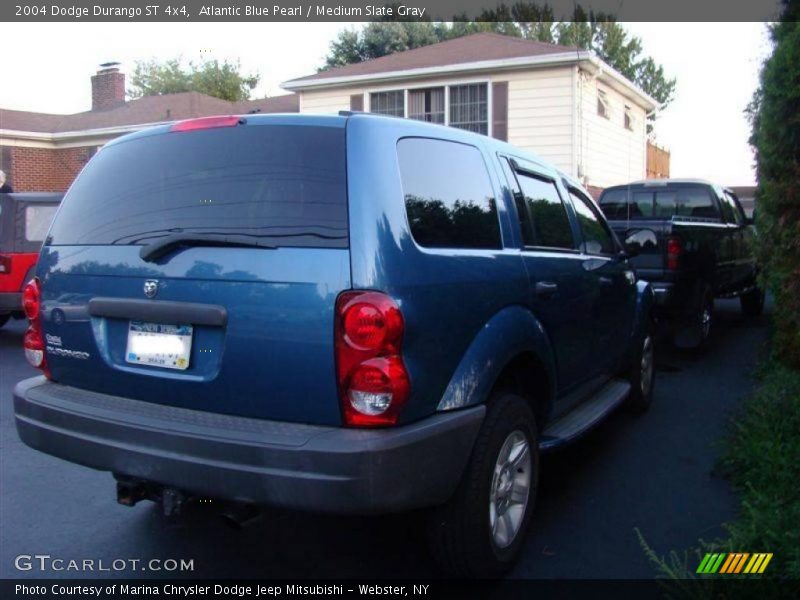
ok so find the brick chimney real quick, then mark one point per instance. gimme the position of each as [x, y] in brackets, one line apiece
[108, 87]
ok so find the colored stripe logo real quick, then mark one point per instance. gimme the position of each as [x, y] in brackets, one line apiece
[734, 563]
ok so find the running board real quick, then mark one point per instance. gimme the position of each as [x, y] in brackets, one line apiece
[583, 417]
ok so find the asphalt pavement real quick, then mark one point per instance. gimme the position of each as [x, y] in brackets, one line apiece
[653, 472]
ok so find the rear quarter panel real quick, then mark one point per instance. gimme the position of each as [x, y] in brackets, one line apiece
[447, 296]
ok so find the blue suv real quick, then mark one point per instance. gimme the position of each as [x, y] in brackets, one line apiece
[350, 314]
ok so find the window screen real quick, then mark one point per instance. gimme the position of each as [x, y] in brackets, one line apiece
[426, 105]
[550, 226]
[469, 107]
[448, 194]
[387, 103]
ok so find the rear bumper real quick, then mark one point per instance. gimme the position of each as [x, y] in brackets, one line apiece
[329, 469]
[10, 302]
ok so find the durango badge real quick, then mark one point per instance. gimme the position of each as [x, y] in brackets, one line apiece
[151, 288]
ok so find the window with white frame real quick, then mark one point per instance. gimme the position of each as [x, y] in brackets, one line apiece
[602, 104]
[390, 103]
[426, 105]
[469, 107]
[465, 106]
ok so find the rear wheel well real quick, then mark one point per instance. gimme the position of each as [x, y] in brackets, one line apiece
[526, 376]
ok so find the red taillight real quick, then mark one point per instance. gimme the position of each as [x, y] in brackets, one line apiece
[373, 381]
[674, 251]
[205, 123]
[5, 264]
[33, 341]
[30, 299]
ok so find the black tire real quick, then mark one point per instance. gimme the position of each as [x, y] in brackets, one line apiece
[695, 332]
[752, 302]
[4, 319]
[642, 373]
[460, 532]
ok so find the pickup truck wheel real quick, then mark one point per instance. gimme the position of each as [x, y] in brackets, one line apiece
[642, 375]
[479, 532]
[696, 335]
[752, 302]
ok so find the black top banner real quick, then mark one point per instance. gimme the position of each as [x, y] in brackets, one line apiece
[358, 10]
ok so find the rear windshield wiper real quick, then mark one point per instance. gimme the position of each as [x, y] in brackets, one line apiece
[164, 245]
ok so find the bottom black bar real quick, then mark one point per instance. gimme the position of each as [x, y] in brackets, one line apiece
[717, 588]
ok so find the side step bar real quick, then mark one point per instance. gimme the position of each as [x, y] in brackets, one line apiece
[584, 416]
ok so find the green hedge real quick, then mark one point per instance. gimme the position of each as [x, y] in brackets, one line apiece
[775, 115]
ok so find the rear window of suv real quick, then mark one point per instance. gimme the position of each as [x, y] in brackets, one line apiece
[285, 184]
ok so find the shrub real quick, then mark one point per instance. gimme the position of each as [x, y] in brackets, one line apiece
[775, 117]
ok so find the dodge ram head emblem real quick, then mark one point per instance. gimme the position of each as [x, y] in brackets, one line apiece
[151, 288]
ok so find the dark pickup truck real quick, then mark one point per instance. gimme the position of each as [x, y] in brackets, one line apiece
[692, 242]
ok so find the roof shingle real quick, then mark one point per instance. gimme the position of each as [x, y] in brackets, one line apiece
[470, 48]
[142, 111]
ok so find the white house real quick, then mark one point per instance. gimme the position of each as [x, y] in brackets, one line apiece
[560, 102]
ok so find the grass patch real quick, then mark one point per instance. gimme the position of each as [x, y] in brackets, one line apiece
[761, 457]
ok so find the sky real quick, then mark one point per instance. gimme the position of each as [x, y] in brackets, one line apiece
[716, 66]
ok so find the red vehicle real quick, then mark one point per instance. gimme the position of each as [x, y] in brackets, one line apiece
[24, 221]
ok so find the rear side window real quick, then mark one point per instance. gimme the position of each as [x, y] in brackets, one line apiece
[695, 201]
[286, 184]
[448, 194]
[550, 226]
[597, 238]
[37, 221]
[736, 213]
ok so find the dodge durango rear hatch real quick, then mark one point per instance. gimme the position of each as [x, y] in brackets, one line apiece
[198, 266]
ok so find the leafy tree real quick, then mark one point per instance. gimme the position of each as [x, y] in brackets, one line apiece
[219, 79]
[598, 32]
[775, 119]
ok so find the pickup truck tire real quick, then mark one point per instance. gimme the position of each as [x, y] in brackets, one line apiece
[694, 334]
[479, 532]
[642, 374]
[752, 302]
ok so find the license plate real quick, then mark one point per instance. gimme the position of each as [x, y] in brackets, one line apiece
[159, 345]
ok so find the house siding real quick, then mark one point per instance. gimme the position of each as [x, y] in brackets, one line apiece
[541, 114]
[608, 153]
[326, 101]
[540, 107]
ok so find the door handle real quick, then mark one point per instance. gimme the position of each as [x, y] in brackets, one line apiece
[546, 288]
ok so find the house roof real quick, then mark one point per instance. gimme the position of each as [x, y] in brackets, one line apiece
[470, 53]
[477, 47]
[142, 111]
